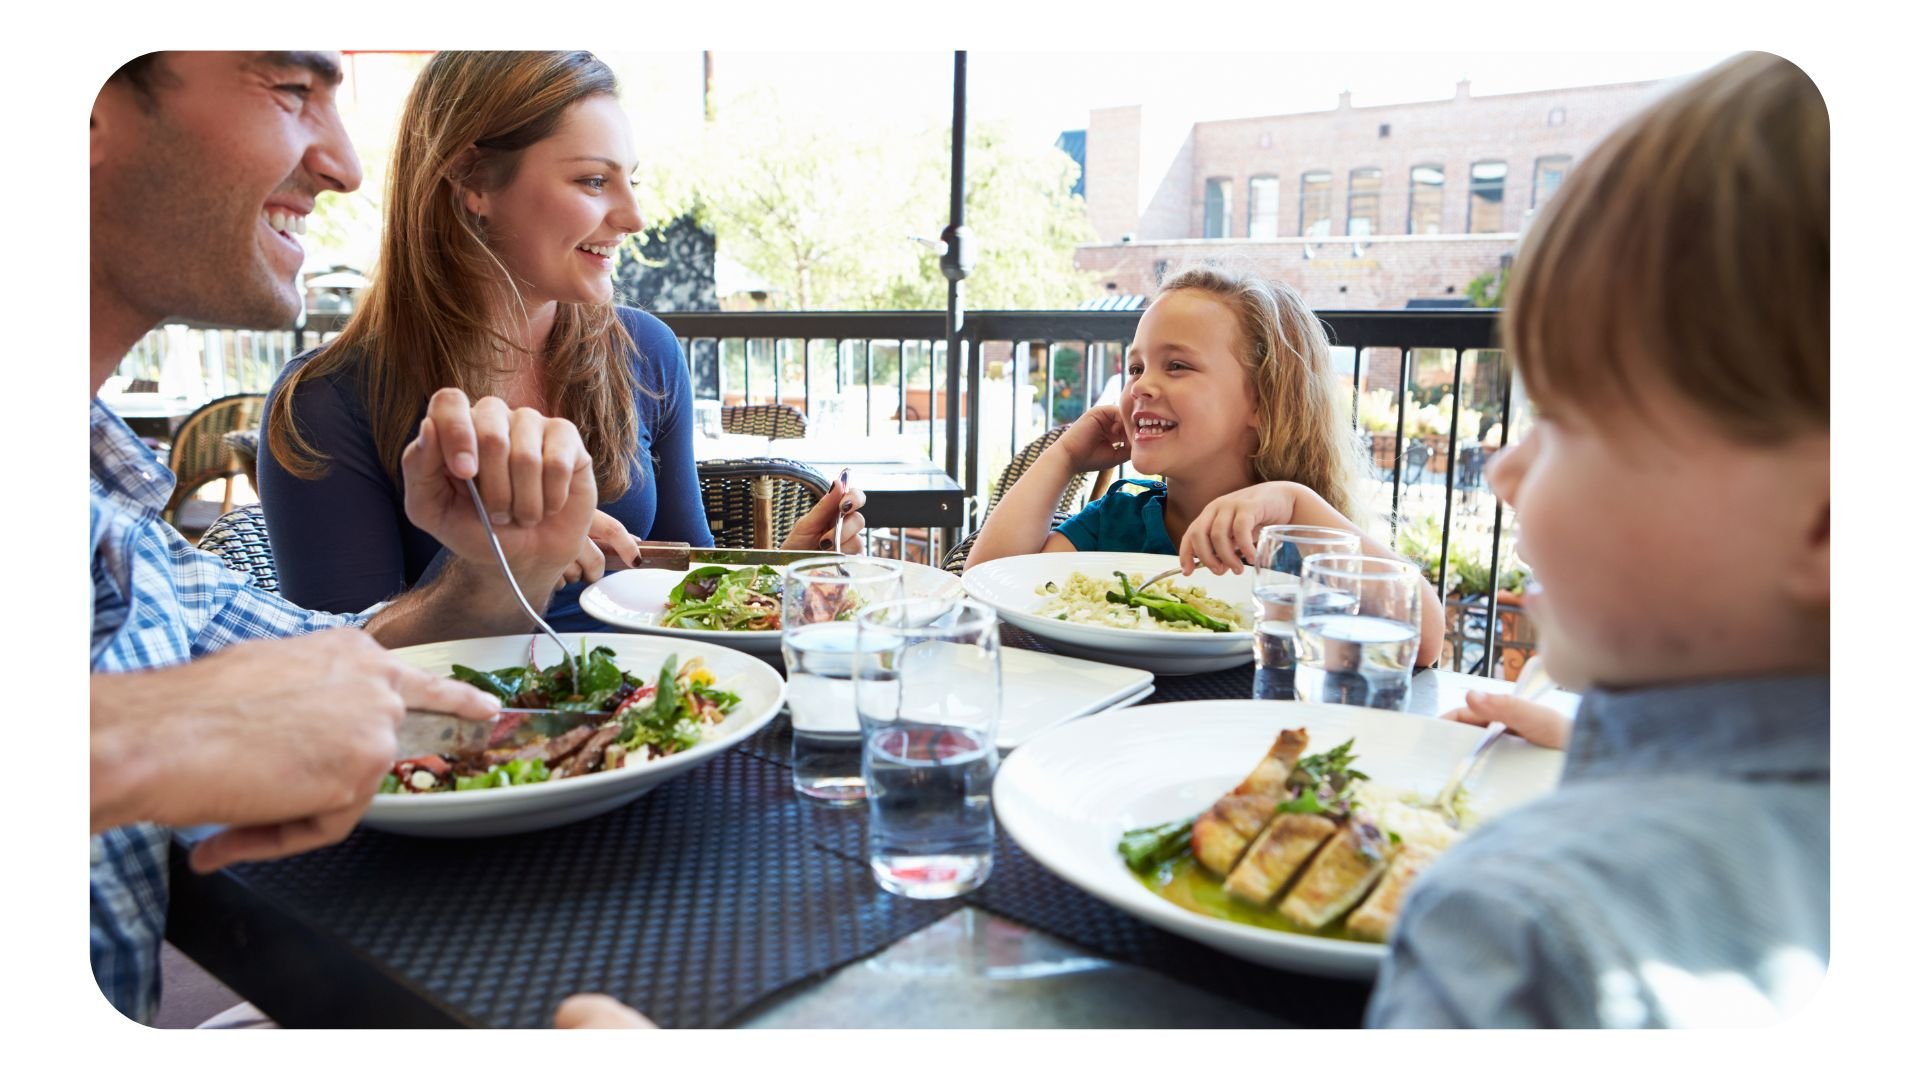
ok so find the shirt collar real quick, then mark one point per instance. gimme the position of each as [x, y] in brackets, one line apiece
[122, 464]
[1750, 728]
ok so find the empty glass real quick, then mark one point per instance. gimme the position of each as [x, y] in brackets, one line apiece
[927, 680]
[1276, 585]
[706, 416]
[818, 601]
[1357, 630]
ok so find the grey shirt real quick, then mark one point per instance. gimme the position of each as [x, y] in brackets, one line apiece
[1677, 877]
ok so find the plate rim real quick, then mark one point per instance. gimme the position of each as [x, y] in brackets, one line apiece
[1137, 640]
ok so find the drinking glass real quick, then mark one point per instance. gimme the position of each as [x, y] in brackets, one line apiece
[927, 680]
[1276, 585]
[1357, 631]
[818, 601]
[706, 415]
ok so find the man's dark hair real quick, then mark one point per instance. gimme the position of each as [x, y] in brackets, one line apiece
[144, 74]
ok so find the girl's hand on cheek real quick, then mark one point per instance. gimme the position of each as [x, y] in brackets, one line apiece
[1098, 440]
[1226, 536]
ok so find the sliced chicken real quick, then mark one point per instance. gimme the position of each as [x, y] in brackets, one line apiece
[1282, 848]
[1374, 919]
[1339, 875]
[1221, 835]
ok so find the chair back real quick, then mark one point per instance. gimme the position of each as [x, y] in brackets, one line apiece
[754, 502]
[200, 455]
[1414, 464]
[1070, 499]
[774, 421]
[245, 445]
[956, 560]
[239, 538]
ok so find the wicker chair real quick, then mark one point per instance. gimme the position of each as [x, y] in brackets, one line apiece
[200, 454]
[239, 538]
[754, 502]
[772, 421]
[245, 445]
[1070, 500]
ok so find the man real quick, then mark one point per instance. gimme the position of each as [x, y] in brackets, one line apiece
[212, 701]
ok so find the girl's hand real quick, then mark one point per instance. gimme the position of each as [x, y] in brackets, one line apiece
[1537, 724]
[814, 532]
[1226, 536]
[607, 544]
[1098, 440]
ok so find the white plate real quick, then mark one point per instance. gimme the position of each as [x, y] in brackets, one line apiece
[502, 811]
[1067, 796]
[1007, 585]
[636, 599]
[1042, 691]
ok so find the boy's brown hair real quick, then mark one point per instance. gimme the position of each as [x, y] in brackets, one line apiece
[1690, 248]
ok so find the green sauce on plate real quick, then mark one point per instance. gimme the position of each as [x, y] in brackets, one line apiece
[1181, 881]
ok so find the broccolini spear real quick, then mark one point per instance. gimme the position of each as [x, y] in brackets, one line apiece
[1163, 608]
[1147, 848]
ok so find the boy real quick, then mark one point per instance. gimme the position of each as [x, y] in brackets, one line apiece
[1669, 317]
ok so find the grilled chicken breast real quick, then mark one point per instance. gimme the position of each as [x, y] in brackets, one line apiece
[1339, 875]
[1284, 846]
[1221, 835]
[1374, 919]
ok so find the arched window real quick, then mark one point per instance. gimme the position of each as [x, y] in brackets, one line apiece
[1363, 202]
[1219, 207]
[1426, 198]
[1316, 203]
[1263, 207]
[1547, 174]
[1486, 196]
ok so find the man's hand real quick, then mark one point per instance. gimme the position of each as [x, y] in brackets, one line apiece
[1226, 536]
[814, 532]
[597, 1011]
[1098, 440]
[284, 741]
[534, 475]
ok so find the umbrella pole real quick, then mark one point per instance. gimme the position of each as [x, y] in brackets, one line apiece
[955, 262]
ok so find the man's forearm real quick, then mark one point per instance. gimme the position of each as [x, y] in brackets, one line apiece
[465, 600]
[120, 752]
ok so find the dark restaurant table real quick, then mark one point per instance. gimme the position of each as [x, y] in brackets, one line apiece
[718, 899]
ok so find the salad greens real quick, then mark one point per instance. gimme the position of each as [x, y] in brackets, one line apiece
[602, 683]
[1162, 608]
[718, 598]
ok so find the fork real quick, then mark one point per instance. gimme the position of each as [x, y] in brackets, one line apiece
[1532, 682]
[486, 522]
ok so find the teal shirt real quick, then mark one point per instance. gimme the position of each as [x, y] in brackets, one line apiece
[1131, 516]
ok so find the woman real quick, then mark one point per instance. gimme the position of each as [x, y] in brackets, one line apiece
[507, 201]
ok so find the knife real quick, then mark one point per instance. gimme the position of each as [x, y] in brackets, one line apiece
[666, 555]
[421, 732]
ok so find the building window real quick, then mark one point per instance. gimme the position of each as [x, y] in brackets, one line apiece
[1316, 203]
[1386, 130]
[1219, 207]
[1263, 207]
[1363, 202]
[1425, 200]
[1486, 194]
[1547, 174]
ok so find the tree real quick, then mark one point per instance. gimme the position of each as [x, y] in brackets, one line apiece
[825, 217]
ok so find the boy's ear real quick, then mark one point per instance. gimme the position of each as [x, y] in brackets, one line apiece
[1810, 575]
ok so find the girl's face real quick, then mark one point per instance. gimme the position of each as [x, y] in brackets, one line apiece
[570, 204]
[1188, 403]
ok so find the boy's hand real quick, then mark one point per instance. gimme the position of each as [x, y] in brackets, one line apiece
[1098, 440]
[1535, 723]
[1226, 536]
[597, 1011]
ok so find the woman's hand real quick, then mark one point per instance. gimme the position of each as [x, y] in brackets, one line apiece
[1538, 724]
[814, 532]
[1098, 440]
[607, 544]
[1226, 536]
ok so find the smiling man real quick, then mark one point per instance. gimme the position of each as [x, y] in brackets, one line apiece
[211, 700]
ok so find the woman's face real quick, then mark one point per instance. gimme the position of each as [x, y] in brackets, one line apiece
[570, 204]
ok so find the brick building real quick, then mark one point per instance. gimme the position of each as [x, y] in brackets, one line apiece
[1355, 207]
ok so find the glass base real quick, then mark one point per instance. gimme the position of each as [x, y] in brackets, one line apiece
[932, 877]
[832, 790]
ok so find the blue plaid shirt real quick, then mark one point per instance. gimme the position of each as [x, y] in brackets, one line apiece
[156, 601]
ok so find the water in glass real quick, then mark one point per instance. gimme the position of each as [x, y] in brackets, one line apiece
[930, 820]
[1350, 659]
[826, 725]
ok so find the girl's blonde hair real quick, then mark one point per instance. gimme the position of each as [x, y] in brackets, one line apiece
[1306, 434]
[431, 317]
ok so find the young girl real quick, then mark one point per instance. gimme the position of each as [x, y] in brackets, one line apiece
[508, 197]
[1230, 397]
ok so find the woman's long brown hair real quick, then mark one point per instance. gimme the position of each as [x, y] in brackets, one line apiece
[433, 315]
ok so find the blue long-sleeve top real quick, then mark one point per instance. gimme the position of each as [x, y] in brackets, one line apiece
[343, 542]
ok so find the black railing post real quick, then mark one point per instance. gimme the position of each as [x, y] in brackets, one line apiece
[1493, 557]
[1453, 453]
[955, 262]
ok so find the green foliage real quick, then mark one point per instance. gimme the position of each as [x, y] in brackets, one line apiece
[1489, 290]
[1468, 557]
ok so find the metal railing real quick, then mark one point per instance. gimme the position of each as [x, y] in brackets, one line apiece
[876, 372]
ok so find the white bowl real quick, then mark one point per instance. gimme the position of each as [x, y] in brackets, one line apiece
[637, 599]
[1067, 796]
[502, 811]
[1008, 586]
